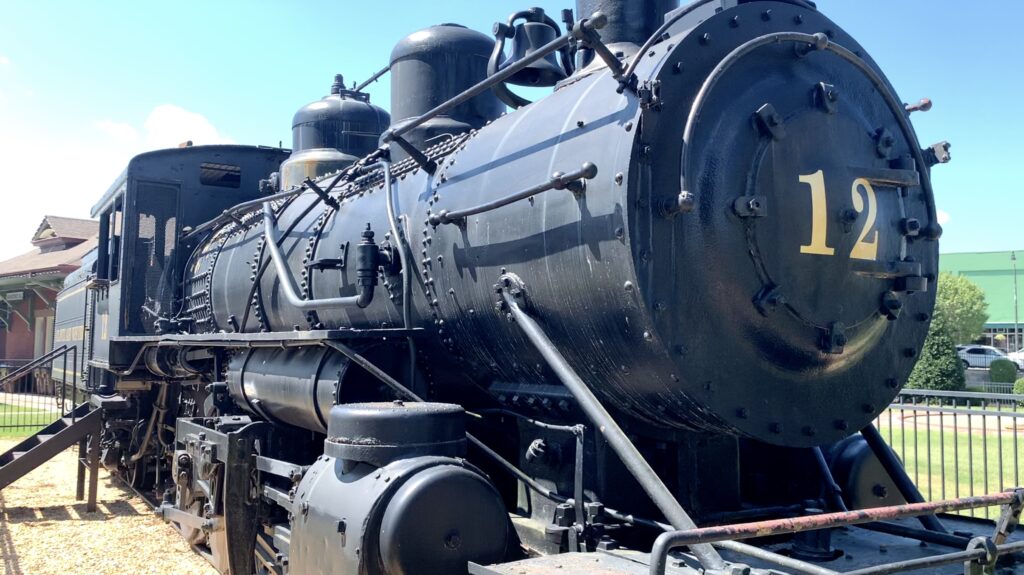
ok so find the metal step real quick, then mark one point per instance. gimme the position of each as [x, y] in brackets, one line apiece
[48, 442]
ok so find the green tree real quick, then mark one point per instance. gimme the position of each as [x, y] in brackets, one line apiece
[960, 308]
[939, 367]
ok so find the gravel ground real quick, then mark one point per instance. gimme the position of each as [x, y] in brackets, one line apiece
[44, 531]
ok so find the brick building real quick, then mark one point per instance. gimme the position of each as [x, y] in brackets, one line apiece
[29, 284]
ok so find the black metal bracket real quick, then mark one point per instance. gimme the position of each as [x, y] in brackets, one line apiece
[827, 97]
[585, 32]
[937, 154]
[834, 339]
[428, 165]
[768, 299]
[770, 122]
[650, 94]
[327, 264]
[751, 206]
[573, 181]
[324, 194]
[515, 286]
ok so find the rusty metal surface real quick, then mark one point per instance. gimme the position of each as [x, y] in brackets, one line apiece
[812, 522]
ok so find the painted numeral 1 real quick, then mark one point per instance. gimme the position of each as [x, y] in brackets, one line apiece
[819, 216]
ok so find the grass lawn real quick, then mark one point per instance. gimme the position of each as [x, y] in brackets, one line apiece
[18, 421]
[953, 463]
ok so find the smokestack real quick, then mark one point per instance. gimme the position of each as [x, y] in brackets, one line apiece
[629, 21]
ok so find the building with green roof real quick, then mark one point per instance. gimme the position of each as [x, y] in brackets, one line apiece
[996, 274]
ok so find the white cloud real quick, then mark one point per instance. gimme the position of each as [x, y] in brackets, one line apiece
[96, 155]
[942, 216]
[118, 130]
[4, 60]
[169, 125]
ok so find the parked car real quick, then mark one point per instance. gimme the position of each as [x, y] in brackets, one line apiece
[982, 356]
[1017, 357]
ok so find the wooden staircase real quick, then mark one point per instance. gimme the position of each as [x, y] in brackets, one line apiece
[82, 425]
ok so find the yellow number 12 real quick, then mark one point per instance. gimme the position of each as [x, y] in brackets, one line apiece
[863, 249]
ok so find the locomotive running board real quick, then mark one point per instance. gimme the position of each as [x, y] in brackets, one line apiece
[272, 338]
[76, 426]
[137, 344]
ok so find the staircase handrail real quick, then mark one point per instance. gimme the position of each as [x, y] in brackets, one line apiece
[37, 363]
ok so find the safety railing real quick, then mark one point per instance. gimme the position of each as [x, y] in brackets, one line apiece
[957, 444]
[31, 397]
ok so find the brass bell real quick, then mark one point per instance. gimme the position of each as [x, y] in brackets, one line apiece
[530, 36]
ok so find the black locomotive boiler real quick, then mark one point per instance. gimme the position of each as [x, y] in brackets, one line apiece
[492, 335]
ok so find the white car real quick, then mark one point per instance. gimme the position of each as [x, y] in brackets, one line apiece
[982, 356]
[1017, 357]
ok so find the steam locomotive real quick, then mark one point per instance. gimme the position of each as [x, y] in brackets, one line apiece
[488, 335]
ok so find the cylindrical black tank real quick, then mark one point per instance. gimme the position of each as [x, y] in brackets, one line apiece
[331, 133]
[434, 65]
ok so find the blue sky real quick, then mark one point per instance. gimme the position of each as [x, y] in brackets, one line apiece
[84, 86]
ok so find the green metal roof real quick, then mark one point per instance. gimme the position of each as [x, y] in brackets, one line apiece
[993, 272]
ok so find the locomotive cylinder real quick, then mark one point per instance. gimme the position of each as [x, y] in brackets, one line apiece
[296, 386]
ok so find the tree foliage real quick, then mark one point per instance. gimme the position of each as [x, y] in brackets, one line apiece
[938, 367]
[1018, 387]
[960, 308]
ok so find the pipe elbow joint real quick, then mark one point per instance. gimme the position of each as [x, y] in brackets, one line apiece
[365, 297]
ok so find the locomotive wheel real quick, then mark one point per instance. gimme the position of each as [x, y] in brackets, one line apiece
[194, 537]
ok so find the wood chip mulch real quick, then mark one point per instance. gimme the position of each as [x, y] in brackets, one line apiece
[44, 530]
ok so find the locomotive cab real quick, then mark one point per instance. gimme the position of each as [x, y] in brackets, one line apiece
[143, 216]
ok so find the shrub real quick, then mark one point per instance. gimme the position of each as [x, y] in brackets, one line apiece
[939, 367]
[1002, 371]
[1018, 388]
